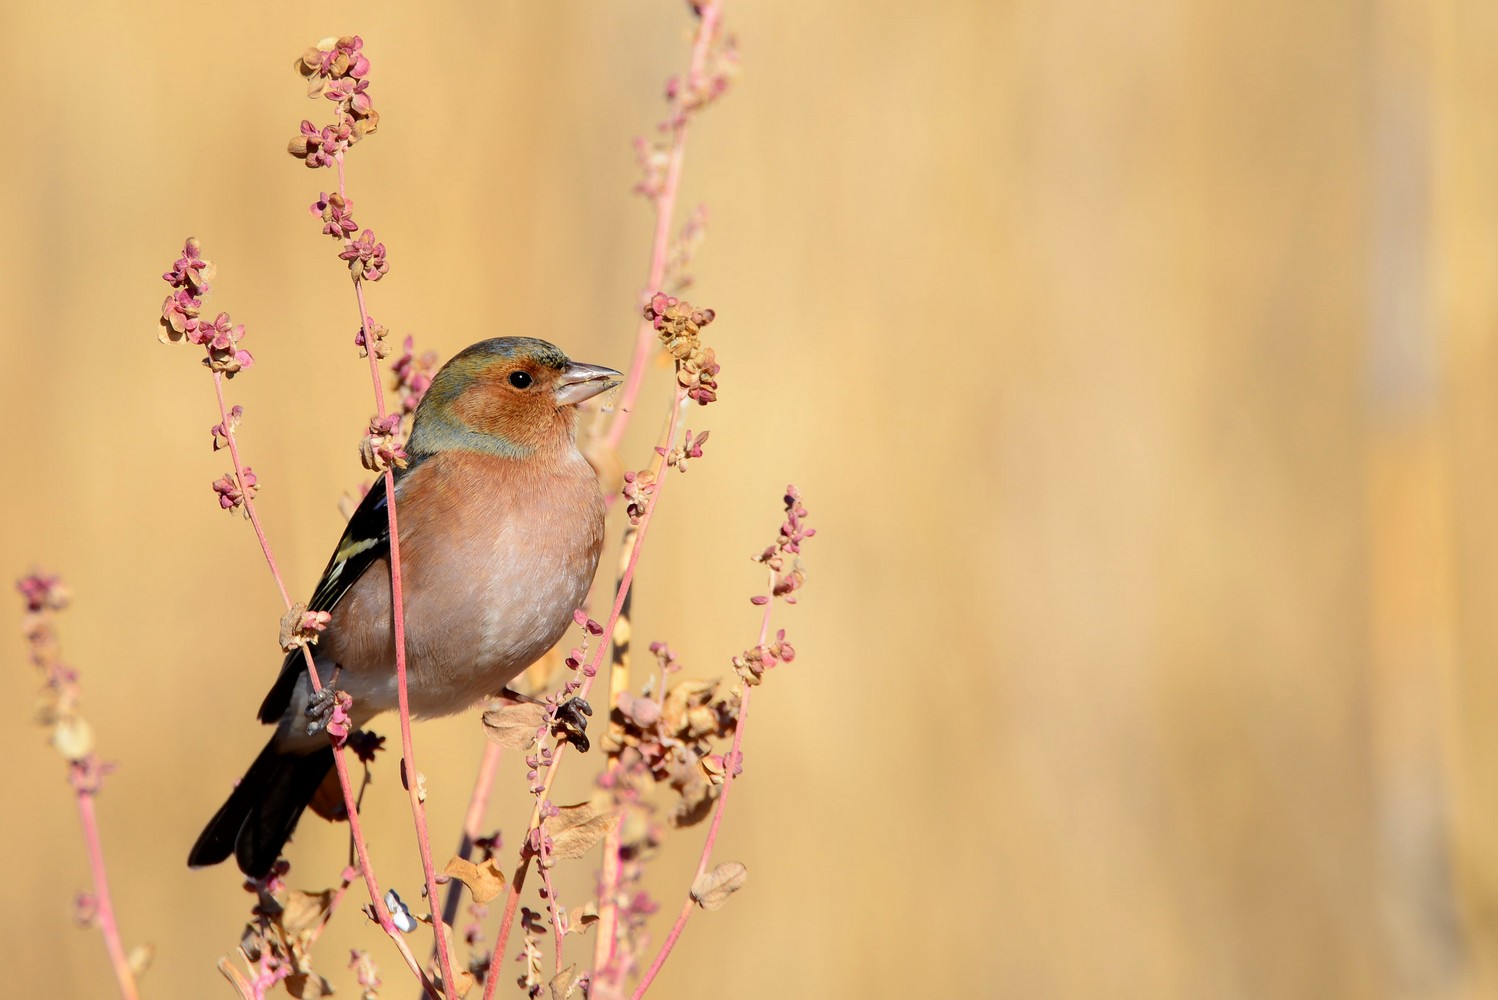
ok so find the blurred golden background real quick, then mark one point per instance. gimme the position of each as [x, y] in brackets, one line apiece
[1139, 364]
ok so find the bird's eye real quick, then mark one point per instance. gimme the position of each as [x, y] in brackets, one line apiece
[520, 380]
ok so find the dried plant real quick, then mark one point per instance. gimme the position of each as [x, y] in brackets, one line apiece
[674, 746]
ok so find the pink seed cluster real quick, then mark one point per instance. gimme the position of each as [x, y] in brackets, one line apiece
[679, 325]
[338, 70]
[181, 314]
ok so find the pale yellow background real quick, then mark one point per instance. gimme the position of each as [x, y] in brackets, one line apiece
[1138, 362]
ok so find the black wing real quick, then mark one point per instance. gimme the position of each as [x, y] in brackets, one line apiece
[365, 540]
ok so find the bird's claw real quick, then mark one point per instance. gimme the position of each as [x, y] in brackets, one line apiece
[320, 709]
[572, 722]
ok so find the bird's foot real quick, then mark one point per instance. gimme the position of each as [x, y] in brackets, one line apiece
[325, 707]
[572, 722]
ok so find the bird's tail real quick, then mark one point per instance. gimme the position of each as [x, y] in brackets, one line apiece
[255, 822]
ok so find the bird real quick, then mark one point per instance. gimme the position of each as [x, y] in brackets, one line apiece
[501, 524]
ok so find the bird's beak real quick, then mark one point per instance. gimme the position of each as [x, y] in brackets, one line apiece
[579, 382]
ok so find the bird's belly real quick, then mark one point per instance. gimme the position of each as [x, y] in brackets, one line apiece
[513, 611]
[491, 578]
[475, 618]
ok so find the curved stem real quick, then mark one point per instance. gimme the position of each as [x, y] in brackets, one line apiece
[124, 977]
[411, 777]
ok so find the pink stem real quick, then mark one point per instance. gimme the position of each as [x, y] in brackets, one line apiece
[327, 917]
[409, 772]
[608, 908]
[105, 909]
[665, 213]
[665, 209]
[606, 940]
[249, 506]
[552, 905]
[712, 834]
[512, 899]
[589, 675]
[356, 830]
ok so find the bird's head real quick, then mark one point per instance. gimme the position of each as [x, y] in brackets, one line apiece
[509, 396]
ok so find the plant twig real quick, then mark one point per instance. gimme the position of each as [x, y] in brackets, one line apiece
[590, 673]
[613, 860]
[709, 17]
[377, 900]
[729, 772]
[410, 776]
[85, 787]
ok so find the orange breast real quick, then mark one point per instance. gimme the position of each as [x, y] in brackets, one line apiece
[495, 556]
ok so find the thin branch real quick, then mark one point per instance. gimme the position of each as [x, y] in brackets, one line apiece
[590, 673]
[351, 806]
[104, 908]
[249, 506]
[710, 15]
[729, 772]
[410, 776]
[605, 943]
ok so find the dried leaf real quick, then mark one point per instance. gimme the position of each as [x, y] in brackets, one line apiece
[485, 881]
[686, 711]
[712, 889]
[580, 919]
[236, 980]
[464, 978]
[695, 806]
[575, 829]
[564, 983]
[302, 911]
[465, 983]
[290, 621]
[514, 726]
[308, 986]
[430, 919]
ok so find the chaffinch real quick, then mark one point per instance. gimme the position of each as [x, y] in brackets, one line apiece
[501, 524]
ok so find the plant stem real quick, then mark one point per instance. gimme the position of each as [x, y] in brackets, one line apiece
[665, 213]
[249, 506]
[351, 805]
[410, 776]
[124, 977]
[712, 834]
[605, 943]
[590, 673]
